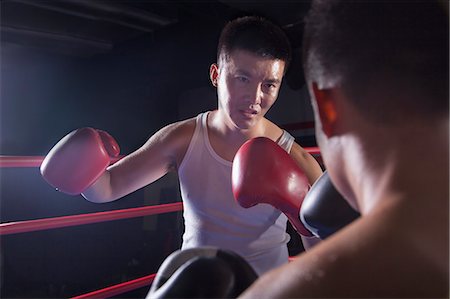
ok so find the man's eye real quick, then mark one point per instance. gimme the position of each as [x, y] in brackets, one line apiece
[242, 79]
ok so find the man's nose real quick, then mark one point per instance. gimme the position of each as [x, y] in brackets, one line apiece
[254, 94]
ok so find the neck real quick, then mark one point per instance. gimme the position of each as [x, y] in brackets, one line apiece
[221, 125]
[408, 162]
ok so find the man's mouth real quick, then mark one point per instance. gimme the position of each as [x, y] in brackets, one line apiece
[249, 112]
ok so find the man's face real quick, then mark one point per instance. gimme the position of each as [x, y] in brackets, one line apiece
[247, 86]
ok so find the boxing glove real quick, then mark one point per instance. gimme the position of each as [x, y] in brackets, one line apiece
[78, 160]
[263, 172]
[204, 272]
[324, 211]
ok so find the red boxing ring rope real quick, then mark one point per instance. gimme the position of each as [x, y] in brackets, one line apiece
[35, 161]
[23, 161]
[119, 288]
[28, 161]
[73, 220]
[314, 150]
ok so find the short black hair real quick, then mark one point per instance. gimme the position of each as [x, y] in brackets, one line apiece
[398, 49]
[256, 35]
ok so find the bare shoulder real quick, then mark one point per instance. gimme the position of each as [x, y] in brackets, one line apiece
[272, 130]
[180, 129]
[304, 160]
[372, 257]
[174, 139]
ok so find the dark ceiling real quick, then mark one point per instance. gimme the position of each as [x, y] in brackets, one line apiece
[88, 27]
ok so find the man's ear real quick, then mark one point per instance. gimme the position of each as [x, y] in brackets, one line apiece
[214, 74]
[327, 108]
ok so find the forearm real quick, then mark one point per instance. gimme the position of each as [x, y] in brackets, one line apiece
[307, 163]
[100, 191]
[314, 171]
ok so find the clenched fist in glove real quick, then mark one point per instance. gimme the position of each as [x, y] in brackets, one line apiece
[263, 172]
[79, 159]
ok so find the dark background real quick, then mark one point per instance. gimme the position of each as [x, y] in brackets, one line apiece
[122, 66]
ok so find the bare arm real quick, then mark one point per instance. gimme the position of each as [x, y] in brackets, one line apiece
[159, 155]
[313, 171]
[306, 162]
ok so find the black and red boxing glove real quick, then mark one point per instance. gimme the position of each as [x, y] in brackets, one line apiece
[263, 172]
[204, 272]
[79, 159]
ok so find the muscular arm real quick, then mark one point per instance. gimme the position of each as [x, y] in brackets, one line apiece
[306, 162]
[159, 155]
[313, 171]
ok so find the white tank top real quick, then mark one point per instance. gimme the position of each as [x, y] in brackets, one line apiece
[213, 218]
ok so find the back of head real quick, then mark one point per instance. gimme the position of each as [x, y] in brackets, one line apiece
[390, 58]
[256, 35]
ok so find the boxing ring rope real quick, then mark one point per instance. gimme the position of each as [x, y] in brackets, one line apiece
[119, 288]
[74, 220]
[35, 161]
[17, 227]
[28, 161]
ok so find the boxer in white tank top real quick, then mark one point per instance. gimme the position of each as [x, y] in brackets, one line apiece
[253, 55]
[212, 216]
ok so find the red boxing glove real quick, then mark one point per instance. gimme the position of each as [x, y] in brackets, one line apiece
[79, 159]
[263, 172]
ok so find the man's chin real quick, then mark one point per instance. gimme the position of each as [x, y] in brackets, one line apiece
[246, 125]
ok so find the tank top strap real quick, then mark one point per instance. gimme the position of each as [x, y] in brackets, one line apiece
[286, 141]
